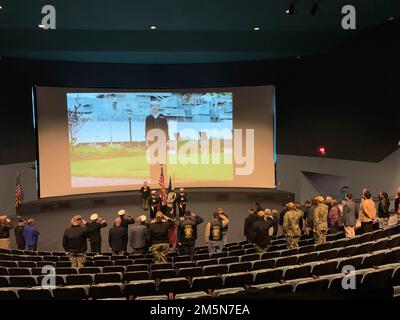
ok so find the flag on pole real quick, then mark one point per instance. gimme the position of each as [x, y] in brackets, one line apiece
[170, 184]
[161, 182]
[18, 192]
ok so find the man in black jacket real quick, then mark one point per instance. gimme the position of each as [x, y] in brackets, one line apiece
[249, 222]
[75, 242]
[126, 220]
[154, 204]
[260, 232]
[181, 200]
[94, 232]
[117, 237]
[158, 236]
[187, 232]
[5, 227]
[19, 232]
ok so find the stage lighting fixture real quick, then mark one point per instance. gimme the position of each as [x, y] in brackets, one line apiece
[291, 9]
[153, 27]
[314, 8]
[41, 26]
[257, 28]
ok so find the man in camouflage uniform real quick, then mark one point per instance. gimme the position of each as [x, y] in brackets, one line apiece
[320, 222]
[291, 225]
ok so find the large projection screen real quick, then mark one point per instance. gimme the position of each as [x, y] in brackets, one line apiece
[93, 140]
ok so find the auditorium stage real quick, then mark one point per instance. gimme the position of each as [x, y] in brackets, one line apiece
[53, 215]
[74, 202]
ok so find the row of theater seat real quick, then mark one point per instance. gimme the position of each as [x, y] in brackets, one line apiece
[307, 264]
[202, 274]
[365, 279]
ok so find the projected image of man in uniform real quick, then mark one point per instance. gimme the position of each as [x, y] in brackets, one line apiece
[156, 120]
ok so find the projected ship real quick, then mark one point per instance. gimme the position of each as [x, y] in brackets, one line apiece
[182, 107]
[118, 117]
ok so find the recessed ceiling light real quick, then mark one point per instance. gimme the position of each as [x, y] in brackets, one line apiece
[153, 27]
[257, 28]
[1, 7]
[41, 26]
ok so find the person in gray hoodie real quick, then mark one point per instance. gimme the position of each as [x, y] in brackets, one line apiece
[349, 216]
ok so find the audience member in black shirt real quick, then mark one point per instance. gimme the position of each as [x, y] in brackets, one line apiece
[19, 233]
[260, 232]
[126, 220]
[94, 232]
[158, 236]
[75, 241]
[249, 222]
[117, 237]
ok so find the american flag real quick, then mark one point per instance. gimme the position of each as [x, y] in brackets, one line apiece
[161, 182]
[18, 193]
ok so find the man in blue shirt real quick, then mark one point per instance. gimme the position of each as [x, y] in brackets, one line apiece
[31, 235]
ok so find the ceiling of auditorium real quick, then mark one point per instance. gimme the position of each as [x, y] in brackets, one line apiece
[187, 31]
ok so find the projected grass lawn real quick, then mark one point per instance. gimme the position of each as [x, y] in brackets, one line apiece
[128, 162]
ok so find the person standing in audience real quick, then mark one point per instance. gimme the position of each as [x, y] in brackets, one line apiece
[94, 232]
[139, 236]
[268, 217]
[213, 233]
[5, 227]
[306, 217]
[291, 226]
[126, 220]
[75, 242]
[260, 235]
[395, 217]
[158, 236]
[320, 223]
[117, 237]
[367, 212]
[343, 193]
[310, 218]
[249, 222]
[187, 232]
[383, 210]
[349, 216]
[19, 233]
[329, 202]
[31, 235]
[225, 227]
[181, 200]
[145, 191]
[335, 217]
[154, 204]
[275, 225]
